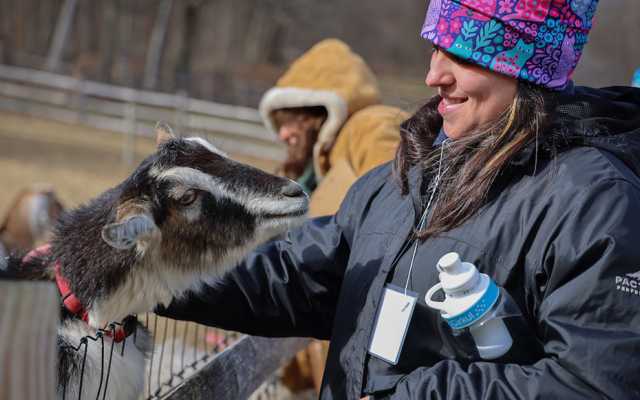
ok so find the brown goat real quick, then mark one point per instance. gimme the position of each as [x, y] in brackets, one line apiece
[30, 219]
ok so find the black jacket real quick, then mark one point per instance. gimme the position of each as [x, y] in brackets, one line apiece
[563, 239]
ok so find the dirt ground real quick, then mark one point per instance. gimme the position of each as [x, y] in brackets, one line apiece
[78, 161]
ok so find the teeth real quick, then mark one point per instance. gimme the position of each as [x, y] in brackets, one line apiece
[454, 101]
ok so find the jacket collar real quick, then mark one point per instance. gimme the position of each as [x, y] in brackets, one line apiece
[607, 118]
[415, 178]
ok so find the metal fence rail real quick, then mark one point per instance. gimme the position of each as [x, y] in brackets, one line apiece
[241, 372]
[134, 112]
[180, 350]
[188, 361]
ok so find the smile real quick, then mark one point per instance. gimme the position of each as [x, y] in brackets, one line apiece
[449, 105]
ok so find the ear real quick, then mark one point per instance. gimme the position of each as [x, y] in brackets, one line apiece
[164, 133]
[124, 234]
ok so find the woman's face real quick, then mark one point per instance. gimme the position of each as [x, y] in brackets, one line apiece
[471, 96]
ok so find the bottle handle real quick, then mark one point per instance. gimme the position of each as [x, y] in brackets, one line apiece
[438, 305]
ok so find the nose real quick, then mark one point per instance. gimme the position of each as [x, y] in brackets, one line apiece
[292, 189]
[285, 132]
[440, 71]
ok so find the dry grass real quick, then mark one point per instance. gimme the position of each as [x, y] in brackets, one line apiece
[78, 161]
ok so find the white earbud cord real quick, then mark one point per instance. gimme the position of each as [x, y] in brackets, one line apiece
[426, 211]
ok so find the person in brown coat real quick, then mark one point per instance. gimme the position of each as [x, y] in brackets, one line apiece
[326, 108]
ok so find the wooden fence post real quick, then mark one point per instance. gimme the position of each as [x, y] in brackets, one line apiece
[157, 44]
[28, 325]
[128, 144]
[61, 35]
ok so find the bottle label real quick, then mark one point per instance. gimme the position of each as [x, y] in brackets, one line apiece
[477, 311]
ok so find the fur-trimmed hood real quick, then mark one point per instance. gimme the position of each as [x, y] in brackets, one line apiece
[330, 75]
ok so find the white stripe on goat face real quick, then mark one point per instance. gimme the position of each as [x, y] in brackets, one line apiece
[155, 171]
[202, 142]
[254, 203]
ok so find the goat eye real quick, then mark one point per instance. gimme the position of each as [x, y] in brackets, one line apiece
[188, 197]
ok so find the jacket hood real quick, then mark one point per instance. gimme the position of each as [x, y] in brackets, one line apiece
[607, 118]
[330, 75]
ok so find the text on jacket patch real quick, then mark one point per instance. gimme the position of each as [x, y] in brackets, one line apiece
[629, 283]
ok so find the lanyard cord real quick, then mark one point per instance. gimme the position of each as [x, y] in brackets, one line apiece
[423, 218]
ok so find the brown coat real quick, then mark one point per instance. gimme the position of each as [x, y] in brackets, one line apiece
[360, 132]
[368, 139]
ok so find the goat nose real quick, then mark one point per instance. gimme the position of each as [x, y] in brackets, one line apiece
[292, 189]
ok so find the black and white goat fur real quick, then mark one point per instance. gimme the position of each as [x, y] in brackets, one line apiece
[187, 213]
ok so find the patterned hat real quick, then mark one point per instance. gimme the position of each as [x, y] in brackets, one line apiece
[539, 41]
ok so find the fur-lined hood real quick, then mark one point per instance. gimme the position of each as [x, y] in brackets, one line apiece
[330, 75]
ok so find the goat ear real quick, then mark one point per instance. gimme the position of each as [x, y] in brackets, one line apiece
[124, 234]
[164, 133]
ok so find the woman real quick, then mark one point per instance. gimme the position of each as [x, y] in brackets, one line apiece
[532, 180]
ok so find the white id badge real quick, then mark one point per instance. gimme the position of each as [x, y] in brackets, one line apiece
[392, 322]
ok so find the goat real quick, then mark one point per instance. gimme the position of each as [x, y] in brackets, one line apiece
[186, 214]
[30, 219]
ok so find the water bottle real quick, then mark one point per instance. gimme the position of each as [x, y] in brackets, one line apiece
[470, 297]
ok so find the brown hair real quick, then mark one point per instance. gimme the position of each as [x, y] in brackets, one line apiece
[310, 120]
[473, 162]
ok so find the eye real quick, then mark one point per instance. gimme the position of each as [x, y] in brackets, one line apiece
[188, 197]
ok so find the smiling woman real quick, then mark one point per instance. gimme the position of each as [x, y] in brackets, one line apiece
[471, 97]
[490, 127]
[534, 181]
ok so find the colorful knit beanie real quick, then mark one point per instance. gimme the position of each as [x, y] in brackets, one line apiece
[539, 41]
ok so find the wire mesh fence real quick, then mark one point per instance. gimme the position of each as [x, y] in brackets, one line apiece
[107, 349]
[180, 350]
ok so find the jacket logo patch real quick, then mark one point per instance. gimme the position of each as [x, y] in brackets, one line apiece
[629, 283]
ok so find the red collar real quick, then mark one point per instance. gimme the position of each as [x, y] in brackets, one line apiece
[69, 299]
